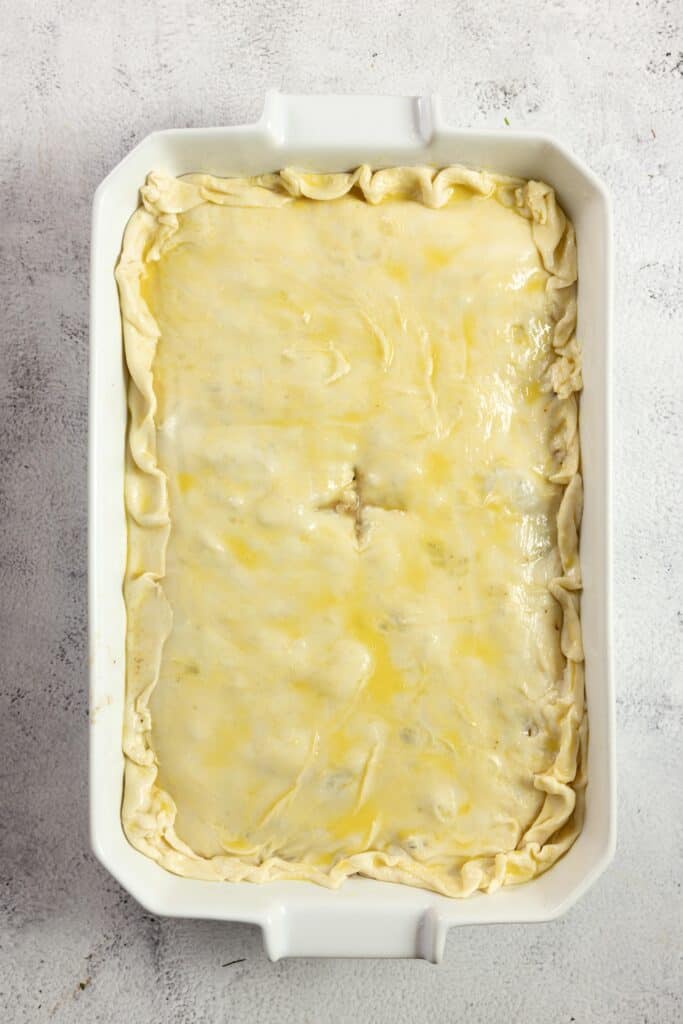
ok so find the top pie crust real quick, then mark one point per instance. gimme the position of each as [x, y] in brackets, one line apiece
[353, 500]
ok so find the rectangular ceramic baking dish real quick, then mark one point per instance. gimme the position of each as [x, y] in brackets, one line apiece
[332, 133]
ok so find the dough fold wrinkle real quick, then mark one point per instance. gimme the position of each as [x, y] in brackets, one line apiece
[150, 814]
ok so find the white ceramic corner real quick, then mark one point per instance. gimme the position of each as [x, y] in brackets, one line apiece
[330, 133]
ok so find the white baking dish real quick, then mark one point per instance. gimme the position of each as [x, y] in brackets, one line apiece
[364, 918]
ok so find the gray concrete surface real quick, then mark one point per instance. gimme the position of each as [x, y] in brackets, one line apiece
[82, 82]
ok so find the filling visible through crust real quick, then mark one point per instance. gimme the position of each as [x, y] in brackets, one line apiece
[353, 500]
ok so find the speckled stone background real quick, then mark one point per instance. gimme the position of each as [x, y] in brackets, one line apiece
[82, 82]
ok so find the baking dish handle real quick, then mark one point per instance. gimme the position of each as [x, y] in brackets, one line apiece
[340, 122]
[351, 929]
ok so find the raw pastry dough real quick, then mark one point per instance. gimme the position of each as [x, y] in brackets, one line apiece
[353, 502]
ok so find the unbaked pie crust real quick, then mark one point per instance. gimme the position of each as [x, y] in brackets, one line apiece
[353, 500]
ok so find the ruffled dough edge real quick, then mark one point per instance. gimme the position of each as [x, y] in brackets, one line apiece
[148, 812]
